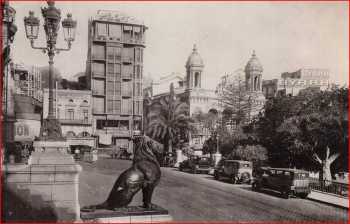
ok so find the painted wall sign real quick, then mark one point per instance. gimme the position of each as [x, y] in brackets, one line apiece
[26, 130]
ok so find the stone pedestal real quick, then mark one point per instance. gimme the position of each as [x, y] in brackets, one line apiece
[132, 214]
[50, 180]
[217, 157]
[179, 157]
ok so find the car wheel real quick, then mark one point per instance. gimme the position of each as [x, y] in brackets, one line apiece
[194, 171]
[255, 187]
[285, 194]
[303, 195]
[216, 176]
[233, 180]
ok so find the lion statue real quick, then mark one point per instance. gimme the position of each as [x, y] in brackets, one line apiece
[143, 174]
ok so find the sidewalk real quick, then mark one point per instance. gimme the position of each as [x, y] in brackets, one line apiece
[329, 199]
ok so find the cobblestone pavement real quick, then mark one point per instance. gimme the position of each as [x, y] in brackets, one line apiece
[190, 197]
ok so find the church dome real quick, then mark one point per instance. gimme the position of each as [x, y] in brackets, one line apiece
[253, 64]
[194, 59]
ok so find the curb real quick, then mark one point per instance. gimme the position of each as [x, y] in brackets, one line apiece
[328, 203]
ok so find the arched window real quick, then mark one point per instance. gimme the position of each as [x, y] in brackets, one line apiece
[256, 83]
[70, 134]
[197, 79]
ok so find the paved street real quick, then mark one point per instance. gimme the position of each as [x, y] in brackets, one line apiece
[199, 197]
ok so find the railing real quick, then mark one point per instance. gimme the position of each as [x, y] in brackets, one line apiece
[340, 189]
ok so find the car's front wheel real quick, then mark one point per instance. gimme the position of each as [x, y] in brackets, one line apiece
[194, 171]
[285, 194]
[303, 195]
[216, 175]
[233, 180]
[255, 186]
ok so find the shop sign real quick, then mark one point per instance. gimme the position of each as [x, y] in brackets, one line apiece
[26, 130]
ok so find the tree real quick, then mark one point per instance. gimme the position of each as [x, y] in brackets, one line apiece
[236, 99]
[168, 117]
[254, 153]
[307, 131]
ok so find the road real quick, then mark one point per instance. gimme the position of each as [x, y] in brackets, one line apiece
[190, 197]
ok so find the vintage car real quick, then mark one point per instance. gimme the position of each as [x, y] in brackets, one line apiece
[237, 171]
[284, 180]
[196, 164]
[168, 160]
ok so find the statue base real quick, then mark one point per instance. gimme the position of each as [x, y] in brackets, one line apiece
[130, 214]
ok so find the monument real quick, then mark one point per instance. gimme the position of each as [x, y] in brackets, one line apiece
[51, 177]
[144, 175]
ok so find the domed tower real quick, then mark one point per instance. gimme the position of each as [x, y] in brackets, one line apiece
[253, 74]
[194, 70]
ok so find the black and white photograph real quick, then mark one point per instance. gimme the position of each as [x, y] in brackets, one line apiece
[174, 111]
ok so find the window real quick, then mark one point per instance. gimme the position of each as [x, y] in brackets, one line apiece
[98, 105]
[126, 89]
[114, 53]
[100, 124]
[126, 106]
[110, 88]
[137, 33]
[124, 125]
[115, 31]
[117, 88]
[101, 29]
[86, 115]
[138, 69]
[113, 106]
[128, 54]
[138, 54]
[98, 69]
[98, 87]
[70, 114]
[127, 32]
[98, 52]
[127, 71]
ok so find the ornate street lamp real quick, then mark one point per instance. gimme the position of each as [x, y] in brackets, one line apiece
[50, 129]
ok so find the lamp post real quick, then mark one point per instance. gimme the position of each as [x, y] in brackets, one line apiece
[50, 129]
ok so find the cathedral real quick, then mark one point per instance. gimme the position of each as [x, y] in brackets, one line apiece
[201, 100]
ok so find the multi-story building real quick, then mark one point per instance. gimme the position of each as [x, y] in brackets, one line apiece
[28, 81]
[7, 116]
[291, 83]
[73, 109]
[114, 74]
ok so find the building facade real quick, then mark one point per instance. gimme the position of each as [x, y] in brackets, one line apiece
[7, 117]
[114, 75]
[189, 89]
[248, 82]
[73, 109]
[291, 83]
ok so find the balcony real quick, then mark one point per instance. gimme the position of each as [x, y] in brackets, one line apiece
[98, 75]
[139, 41]
[75, 122]
[127, 59]
[98, 92]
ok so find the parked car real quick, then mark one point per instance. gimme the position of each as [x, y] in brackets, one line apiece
[237, 171]
[168, 160]
[286, 181]
[196, 164]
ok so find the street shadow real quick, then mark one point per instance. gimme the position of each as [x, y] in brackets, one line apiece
[263, 191]
[15, 209]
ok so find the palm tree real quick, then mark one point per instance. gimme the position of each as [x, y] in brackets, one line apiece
[168, 117]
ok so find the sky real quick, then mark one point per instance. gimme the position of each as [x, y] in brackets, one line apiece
[286, 36]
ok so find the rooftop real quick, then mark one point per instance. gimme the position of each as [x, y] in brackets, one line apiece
[116, 16]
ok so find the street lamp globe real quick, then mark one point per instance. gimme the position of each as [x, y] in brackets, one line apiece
[69, 25]
[31, 26]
